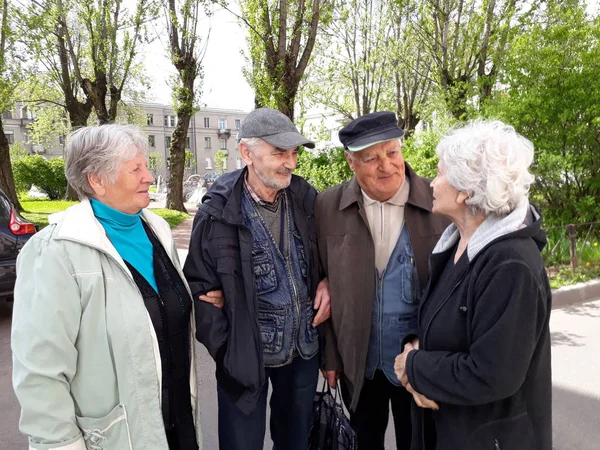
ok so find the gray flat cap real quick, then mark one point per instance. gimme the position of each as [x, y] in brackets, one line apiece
[273, 127]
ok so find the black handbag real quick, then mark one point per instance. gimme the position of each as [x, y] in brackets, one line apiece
[330, 427]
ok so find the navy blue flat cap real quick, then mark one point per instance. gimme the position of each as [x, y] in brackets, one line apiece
[369, 130]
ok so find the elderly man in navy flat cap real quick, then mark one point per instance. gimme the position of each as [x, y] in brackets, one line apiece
[375, 234]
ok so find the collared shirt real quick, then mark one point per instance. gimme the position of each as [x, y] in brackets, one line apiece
[261, 201]
[386, 220]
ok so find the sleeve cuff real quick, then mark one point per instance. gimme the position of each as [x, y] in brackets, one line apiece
[410, 366]
[74, 444]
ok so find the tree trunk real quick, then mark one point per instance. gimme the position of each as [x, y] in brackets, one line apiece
[177, 166]
[7, 181]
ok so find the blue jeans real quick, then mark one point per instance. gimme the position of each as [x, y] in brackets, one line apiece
[294, 388]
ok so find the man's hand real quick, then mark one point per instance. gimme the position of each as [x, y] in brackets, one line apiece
[322, 303]
[215, 298]
[331, 376]
[421, 400]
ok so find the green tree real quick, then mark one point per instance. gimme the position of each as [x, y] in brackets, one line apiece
[467, 41]
[220, 160]
[325, 169]
[281, 39]
[9, 78]
[552, 97]
[186, 55]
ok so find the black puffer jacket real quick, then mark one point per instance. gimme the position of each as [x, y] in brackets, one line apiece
[485, 354]
[220, 257]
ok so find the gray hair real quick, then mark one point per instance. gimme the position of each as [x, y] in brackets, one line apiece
[101, 151]
[489, 161]
[253, 143]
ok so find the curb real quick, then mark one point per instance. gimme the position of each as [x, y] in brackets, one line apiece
[577, 293]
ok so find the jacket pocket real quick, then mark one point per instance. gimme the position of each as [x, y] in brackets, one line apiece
[271, 323]
[108, 432]
[264, 268]
[514, 433]
[301, 254]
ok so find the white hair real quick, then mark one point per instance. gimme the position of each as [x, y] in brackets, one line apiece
[100, 151]
[252, 143]
[489, 161]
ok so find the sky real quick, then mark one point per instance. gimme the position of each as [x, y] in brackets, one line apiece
[224, 85]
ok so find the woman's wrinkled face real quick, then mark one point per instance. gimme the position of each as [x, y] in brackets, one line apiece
[129, 192]
[447, 200]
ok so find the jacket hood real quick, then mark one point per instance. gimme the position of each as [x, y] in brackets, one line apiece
[524, 221]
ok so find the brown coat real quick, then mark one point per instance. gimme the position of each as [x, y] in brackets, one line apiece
[348, 258]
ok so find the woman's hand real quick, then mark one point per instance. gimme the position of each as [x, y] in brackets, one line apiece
[400, 362]
[421, 400]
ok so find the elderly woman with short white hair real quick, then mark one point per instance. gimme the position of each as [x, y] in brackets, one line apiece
[103, 354]
[480, 367]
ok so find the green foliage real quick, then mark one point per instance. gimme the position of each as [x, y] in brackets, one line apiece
[48, 174]
[553, 98]
[190, 159]
[154, 162]
[325, 169]
[17, 151]
[220, 160]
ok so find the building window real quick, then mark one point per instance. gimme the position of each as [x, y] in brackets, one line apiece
[7, 115]
[173, 121]
[208, 164]
[238, 163]
[61, 139]
[223, 143]
[10, 135]
[150, 119]
[222, 124]
[237, 124]
[166, 122]
[151, 141]
[167, 142]
[187, 142]
[207, 142]
[207, 122]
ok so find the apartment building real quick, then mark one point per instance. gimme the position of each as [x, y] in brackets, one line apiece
[210, 130]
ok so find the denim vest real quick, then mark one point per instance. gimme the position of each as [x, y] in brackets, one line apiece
[285, 311]
[395, 309]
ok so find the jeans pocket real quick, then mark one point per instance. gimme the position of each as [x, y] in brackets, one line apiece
[265, 277]
[110, 431]
[271, 323]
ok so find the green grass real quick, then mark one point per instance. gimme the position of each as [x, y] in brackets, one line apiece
[38, 210]
[172, 217]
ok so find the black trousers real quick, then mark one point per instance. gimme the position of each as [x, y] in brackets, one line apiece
[370, 420]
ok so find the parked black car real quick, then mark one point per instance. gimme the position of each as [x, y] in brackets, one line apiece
[14, 232]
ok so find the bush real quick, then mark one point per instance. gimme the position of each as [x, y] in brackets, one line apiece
[324, 170]
[47, 174]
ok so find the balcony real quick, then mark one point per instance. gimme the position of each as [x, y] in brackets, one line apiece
[224, 132]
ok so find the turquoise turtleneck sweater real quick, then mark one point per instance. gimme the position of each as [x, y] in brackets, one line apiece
[126, 233]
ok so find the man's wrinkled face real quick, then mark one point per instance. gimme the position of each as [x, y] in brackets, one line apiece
[379, 169]
[273, 166]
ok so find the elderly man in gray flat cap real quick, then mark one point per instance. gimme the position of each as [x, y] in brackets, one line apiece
[254, 242]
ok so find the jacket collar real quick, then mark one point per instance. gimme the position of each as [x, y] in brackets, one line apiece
[418, 195]
[78, 223]
[224, 199]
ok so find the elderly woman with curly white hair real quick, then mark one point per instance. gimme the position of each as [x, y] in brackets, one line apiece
[102, 332]
[480, 367]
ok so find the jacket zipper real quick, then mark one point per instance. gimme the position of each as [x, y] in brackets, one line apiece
[496, 445]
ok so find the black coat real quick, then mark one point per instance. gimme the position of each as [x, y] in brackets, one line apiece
[220, 257]
[485, 355]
